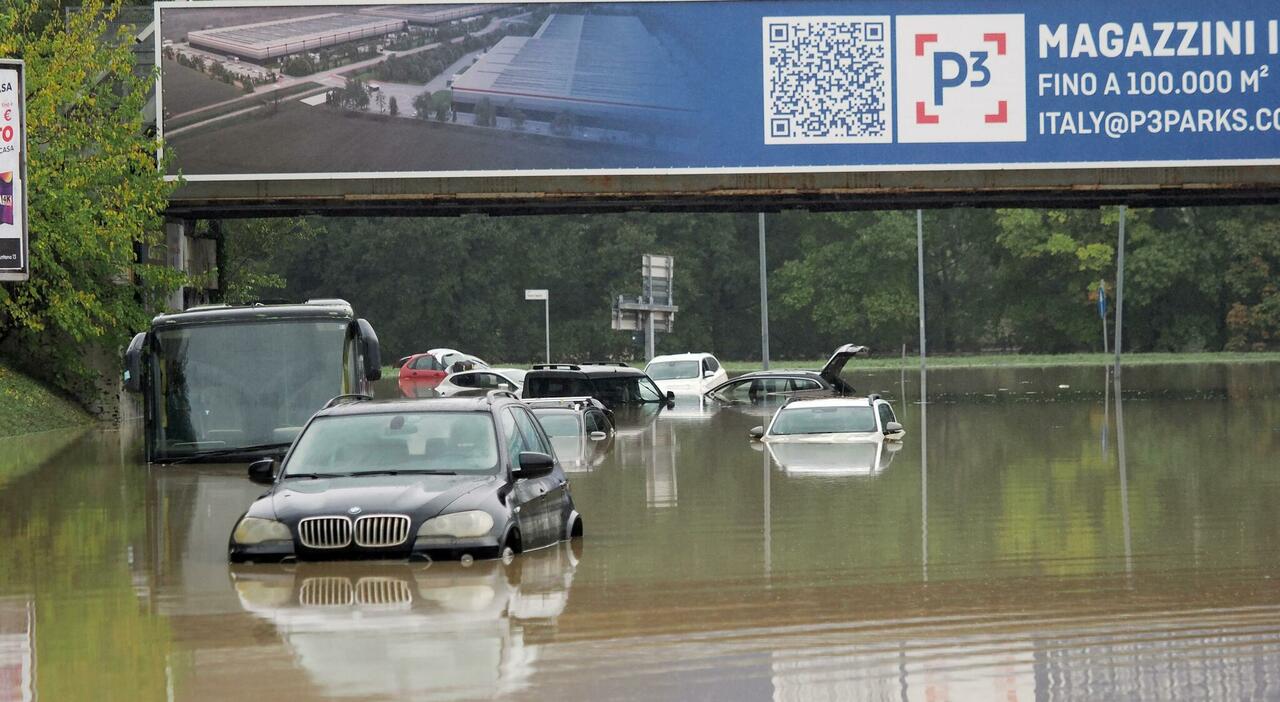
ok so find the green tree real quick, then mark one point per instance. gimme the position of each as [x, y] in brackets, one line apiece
[392, 108]
[95, 191]
[486, 113]
[251, 252]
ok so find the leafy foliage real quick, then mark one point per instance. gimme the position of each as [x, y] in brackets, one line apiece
[94, 190]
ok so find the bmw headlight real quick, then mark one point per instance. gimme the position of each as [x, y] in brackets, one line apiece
[252, 531]
[459, 525]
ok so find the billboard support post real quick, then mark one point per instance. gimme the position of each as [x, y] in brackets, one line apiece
[15, 250]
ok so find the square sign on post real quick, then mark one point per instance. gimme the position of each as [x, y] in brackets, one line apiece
[13, 172]
[535, 294]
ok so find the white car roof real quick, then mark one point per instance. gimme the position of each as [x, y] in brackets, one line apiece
[692, 356]
[830, 402]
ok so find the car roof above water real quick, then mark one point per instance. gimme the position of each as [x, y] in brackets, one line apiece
[829, 402]
[578, 369]
[471, 403]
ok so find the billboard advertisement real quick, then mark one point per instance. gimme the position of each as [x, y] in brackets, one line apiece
[13, 200]
[295, 91]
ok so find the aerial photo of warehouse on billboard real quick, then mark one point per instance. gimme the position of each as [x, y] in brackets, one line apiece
[428, 15]
[601, 66]
[267, 40]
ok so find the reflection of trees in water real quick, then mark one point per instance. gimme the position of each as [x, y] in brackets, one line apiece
[70, 525]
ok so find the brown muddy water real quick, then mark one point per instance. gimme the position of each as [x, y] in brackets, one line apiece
[1025, 542]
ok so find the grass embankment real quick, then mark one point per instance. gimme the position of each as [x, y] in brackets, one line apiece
[981, 361]
[28, 406]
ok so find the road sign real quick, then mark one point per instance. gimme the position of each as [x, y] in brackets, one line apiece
[14, 263]
[535, 295]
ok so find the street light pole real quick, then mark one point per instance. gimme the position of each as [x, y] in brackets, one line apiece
[546, 317]
[764, 300]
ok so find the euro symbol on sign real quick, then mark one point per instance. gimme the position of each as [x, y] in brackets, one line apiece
[8, 115]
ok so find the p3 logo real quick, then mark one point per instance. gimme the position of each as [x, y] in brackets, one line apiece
[961, 78]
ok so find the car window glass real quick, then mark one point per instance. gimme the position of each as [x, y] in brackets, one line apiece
[425, 363]
[557, 386]
[592, 421]
[559, 423]
[886, 414]
[486, 380]
[463, 381]
[804, 384]
[823, 420]
[532, 436]
[515, 440]
[672, 370]
[711, 364]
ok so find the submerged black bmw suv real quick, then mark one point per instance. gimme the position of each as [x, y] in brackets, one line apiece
[434, 478]
[614, 384]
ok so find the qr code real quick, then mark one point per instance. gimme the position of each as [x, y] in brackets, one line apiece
[827, 80]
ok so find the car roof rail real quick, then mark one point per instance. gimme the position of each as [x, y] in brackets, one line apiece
[607, 363]
[500, 393]
[556, 366]
[873, 397]
[347, 397]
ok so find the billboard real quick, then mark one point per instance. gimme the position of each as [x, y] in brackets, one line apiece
[13, 171]
[358, 92]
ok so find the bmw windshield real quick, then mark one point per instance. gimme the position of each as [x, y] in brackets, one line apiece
[407, 442]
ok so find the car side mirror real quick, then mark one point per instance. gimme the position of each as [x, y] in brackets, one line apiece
[263, 471]
[533, 464]
[757, 432]
[892, 428]
[370, 349]
[598, 435]
[708, 374]
[133, 363]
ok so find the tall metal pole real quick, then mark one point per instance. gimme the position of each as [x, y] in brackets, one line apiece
[764, 300]
[920, 277]
[546, 311]
[1120, 286]
[649, 351]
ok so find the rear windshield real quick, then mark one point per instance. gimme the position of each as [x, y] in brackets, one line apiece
[461, 442]
[557, 386]
[823, 420]
[674, 370]
[558, 422]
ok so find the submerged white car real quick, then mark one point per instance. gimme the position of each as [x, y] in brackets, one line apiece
[838, 419]
[686, 373]
[487, 379]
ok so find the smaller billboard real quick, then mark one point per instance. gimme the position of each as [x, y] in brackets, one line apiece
[13, 171]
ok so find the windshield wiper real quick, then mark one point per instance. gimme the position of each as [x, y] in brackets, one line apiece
[216, 453]
[313, 476]
[406, 471]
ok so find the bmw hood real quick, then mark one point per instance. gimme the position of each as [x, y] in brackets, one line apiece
[419, 495]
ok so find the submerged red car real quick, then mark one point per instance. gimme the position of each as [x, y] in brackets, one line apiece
[425, 370]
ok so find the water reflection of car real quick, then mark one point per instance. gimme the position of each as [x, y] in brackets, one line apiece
[845, 458]
[843, 419]
[614, 384]
[756, 387]
[487, 379]
[686, 373]
[437, 478]
[431, 367]
[364, 631]
[581, 429]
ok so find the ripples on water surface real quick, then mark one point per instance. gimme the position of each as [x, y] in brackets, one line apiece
[1026, 541]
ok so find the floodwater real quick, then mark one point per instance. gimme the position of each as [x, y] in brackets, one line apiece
[1025, 542]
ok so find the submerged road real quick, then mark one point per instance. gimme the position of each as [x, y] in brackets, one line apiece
[1026, 541]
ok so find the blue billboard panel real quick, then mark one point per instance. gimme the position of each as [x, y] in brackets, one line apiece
[256, 91]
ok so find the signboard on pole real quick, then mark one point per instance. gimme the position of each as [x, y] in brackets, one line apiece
[14, 264]
[535, 294]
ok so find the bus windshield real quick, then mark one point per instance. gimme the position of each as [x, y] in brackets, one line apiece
[219, 387]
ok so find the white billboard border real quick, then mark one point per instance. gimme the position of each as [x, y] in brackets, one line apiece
[160, 5]
[24, 274]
